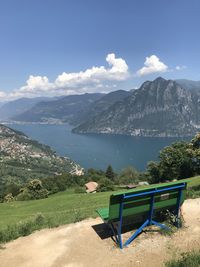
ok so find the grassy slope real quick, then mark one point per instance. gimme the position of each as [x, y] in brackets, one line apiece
[61, 206]
[65, 207]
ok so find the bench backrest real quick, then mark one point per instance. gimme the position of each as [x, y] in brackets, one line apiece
[137, 202]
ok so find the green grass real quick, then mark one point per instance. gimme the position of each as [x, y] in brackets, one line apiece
[189, 259]
[193, 182]
[61, 208]
[193, 190]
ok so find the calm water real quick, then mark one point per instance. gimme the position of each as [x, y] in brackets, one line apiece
[97, 151]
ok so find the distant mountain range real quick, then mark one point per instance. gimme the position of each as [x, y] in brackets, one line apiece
[16, 107]
[158, 108]
[66, 109]
[189, 85]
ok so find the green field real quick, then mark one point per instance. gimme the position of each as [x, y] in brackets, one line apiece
[62, 208]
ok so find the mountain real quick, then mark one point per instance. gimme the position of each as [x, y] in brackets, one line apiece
[100, 105]
[189, 85]
[22, 158]
[158, 108]
[16, 107]
[64, 109]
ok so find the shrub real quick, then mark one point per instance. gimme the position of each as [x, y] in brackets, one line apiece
[105, 185]
[9, 198]
[128, 175]
[79, 190]
[188, 259]
[24, 195]
[24, 228]
[33, 190]
[40, 219]
[78, 216]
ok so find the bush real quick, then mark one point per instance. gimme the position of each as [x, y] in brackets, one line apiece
[189, 259]
[105, 185]
[78, 216]
[24, 195]
[178, 161]
[33, 190]
[9, 198]
[128, 175]
[79, 190]
[40, 219]
[193, 192]
[23, 228]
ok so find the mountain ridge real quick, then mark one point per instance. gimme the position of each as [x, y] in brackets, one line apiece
[158, 108]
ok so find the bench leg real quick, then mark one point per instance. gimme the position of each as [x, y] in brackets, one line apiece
[114, 233]
[137, 232]
[163, 226]
[178, 205]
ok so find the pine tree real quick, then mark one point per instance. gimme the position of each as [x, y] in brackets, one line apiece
[110, 173]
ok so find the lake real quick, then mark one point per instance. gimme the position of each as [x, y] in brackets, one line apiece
[97, 151]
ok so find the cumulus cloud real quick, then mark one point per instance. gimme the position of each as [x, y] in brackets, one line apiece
[152, 64]
[94, 79]
[118, 71]
[3, 95]
[89, 80]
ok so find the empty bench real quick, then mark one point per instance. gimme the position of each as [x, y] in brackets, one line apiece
[142, 205]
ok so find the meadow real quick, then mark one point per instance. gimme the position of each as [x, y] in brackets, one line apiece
[20, 218]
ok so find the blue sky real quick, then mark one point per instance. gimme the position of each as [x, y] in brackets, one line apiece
[76, 46]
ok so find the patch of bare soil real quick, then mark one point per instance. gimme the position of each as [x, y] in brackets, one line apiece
[78, 245]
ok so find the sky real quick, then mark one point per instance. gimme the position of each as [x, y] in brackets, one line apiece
[62, 47]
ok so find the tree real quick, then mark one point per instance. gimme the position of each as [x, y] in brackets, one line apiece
[105, 184]
[195, 153]
[110, 173]
[33, 190]
[175, 162]
[153, 172]
[128, 175]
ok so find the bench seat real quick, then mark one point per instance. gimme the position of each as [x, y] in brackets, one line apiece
[103, 213]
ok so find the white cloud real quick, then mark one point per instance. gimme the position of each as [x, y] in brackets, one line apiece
[95, 75]
[94, 79]
[152, 64]
[89, 80]
[182, 67]
[2, 95]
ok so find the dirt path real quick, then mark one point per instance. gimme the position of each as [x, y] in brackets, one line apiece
[78, 245]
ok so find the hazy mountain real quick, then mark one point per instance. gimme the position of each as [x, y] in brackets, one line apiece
[64, 109]
[189, 85]
[158, 108]
[16, 107]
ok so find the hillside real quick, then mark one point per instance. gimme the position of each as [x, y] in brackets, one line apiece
[158, 108]
[72, 109]
[189, 84]
[22, 158]
[65, 109]
[21, 105]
